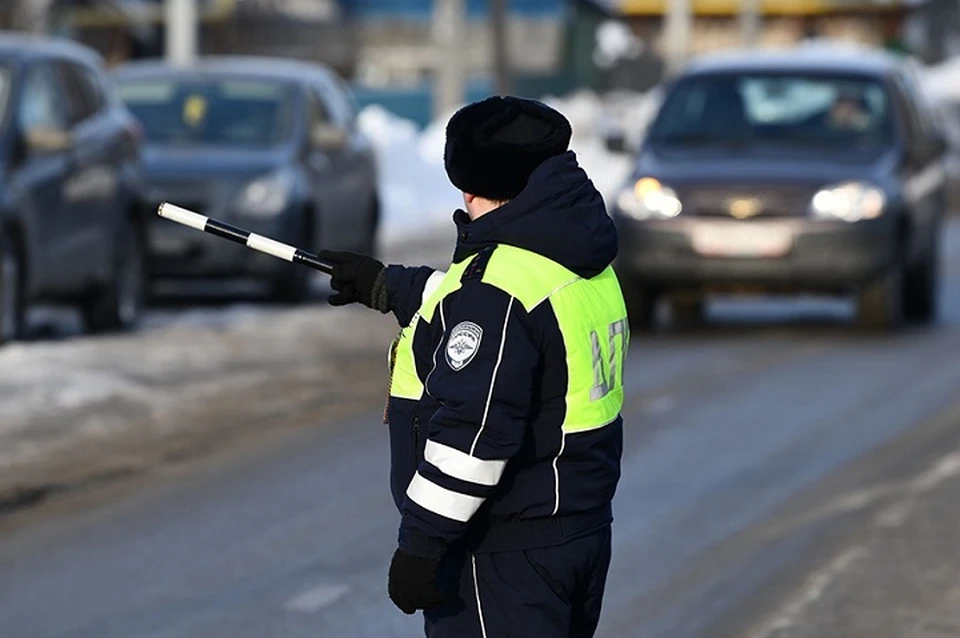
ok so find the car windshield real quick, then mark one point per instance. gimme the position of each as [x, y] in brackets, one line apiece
[210, 111]
[780, 109]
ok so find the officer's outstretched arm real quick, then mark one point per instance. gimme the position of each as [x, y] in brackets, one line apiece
[408, 287]
[483, 378]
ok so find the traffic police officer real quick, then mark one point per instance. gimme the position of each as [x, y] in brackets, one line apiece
[506, 387]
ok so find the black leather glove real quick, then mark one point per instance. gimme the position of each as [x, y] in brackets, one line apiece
[413, 583]
[357, 279]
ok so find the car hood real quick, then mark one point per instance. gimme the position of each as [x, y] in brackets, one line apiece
[198, 164]
[757, 166]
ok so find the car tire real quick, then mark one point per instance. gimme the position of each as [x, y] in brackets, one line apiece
[641, 303]
[292, 285]
[118, 305]
[921, 289]
[688, 312]
[369, 244]
[12, 305]
[880, 303]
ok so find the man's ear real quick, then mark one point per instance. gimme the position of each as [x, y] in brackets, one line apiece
[468, 198]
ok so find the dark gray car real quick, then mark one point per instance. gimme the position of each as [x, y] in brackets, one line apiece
[266, 144]
[70, 212]
[802, 171]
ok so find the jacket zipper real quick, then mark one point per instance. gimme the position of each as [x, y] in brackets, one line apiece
[416, 440]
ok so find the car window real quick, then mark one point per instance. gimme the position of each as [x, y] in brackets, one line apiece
[783, 109]
[211, 110]
[42, 103]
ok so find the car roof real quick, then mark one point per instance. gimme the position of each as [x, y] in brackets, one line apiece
[277, 68]
[27, 47]
[812, 57]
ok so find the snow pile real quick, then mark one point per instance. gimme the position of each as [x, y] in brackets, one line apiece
[942, 81]
[593, 118]
[414, 190]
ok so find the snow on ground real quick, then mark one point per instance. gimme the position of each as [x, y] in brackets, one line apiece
[414, 191]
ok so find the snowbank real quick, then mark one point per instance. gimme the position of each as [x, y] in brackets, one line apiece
[415, 193]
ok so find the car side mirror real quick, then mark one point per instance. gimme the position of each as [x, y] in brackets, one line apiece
[44, 140]
[328, 137]
[616, 142]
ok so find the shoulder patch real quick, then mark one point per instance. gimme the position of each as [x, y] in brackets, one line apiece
[478, 265]
[463, 344]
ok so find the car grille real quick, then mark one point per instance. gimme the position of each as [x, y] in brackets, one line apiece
[746, 202]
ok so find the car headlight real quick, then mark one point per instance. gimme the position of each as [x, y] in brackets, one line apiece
[265, 196]
[649, 199]
[850, 202]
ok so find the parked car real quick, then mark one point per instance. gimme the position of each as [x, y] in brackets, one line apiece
[70, 209]
[270, 145]
[807, 170]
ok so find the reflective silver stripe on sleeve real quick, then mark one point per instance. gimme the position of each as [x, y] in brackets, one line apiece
[431, 285]
[461, 465]
[440, 500]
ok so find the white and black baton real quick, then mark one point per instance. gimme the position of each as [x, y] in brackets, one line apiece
[245, 237]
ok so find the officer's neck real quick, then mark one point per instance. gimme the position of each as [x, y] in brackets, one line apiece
[477, 207]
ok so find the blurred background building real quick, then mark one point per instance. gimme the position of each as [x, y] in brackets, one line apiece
[390, 49]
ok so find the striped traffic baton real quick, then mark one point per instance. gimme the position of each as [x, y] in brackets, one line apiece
[245, 237]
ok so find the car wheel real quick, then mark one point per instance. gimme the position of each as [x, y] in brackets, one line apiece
[293, 284]
[688, 312]
[119, 304]
[369, 245]
[12, 305]
[920, 289]
[880, 304]
[641, 303]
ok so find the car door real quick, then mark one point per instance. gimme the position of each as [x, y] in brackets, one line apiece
[328, 169]
[43, 168]
[92, 194]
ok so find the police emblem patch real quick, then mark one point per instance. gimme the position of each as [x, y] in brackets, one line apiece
[463, 344]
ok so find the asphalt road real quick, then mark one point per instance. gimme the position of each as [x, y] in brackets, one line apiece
[751, 449]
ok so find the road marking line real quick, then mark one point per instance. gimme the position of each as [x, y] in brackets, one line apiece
[313, 600]
[812, 591]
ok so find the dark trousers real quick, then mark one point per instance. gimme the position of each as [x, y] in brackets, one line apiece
[549, 592]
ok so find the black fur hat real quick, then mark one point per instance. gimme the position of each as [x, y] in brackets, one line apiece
[494, 145]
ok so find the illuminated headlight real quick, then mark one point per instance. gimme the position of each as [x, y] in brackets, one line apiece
[649, 199]
[851, 202]
[265, 196]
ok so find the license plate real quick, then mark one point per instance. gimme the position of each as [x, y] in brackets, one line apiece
[737, 239]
